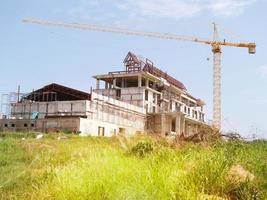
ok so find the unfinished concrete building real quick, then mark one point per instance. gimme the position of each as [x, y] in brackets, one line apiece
[169, 108]
[141, 98]
[56, 108]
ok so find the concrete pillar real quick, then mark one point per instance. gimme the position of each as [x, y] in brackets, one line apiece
[97, 84]
[154, 85]
[139, 81]
[184, 128]
[147, 83]
[30, 110]
[178, 124]
[163, 124]
[123, 83]
[114, 82]
[182, 121]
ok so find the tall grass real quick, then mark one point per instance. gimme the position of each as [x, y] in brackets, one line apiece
[136, 168]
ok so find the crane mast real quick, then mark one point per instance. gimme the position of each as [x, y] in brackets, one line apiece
[216, 49]
[215, 44]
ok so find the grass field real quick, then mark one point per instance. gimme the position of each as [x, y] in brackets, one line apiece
[119, 168]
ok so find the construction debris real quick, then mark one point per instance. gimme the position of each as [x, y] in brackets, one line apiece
[62, 138]
[39, 136]
[210, 197]
[238, 174]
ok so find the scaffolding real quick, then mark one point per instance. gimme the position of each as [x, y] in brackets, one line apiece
[6, 101]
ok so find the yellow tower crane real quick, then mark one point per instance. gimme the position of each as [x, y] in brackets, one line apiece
[215, 44]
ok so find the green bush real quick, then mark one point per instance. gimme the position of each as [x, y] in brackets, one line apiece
[143, 148]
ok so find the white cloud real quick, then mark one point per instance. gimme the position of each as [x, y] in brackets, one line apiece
[163, 8]
[263, 70]
[229, 7]
[176, 9]
[151, 10]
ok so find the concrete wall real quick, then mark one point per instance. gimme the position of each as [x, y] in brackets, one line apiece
[97, 98]
[115, 116]
[43, 125]
[136, 96]
[131, 95]
[161, 124]
[106, 92]
[75, 108]
[91, 127]
[15, 124]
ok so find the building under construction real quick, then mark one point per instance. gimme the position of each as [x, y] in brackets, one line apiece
[141, 98]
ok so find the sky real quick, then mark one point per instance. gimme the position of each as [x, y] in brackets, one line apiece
[35, 55]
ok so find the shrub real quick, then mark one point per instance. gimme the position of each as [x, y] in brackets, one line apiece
[142, 148]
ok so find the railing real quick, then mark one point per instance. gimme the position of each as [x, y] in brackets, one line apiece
[123, 72]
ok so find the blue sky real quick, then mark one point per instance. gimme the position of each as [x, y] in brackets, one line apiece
[34, 55]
